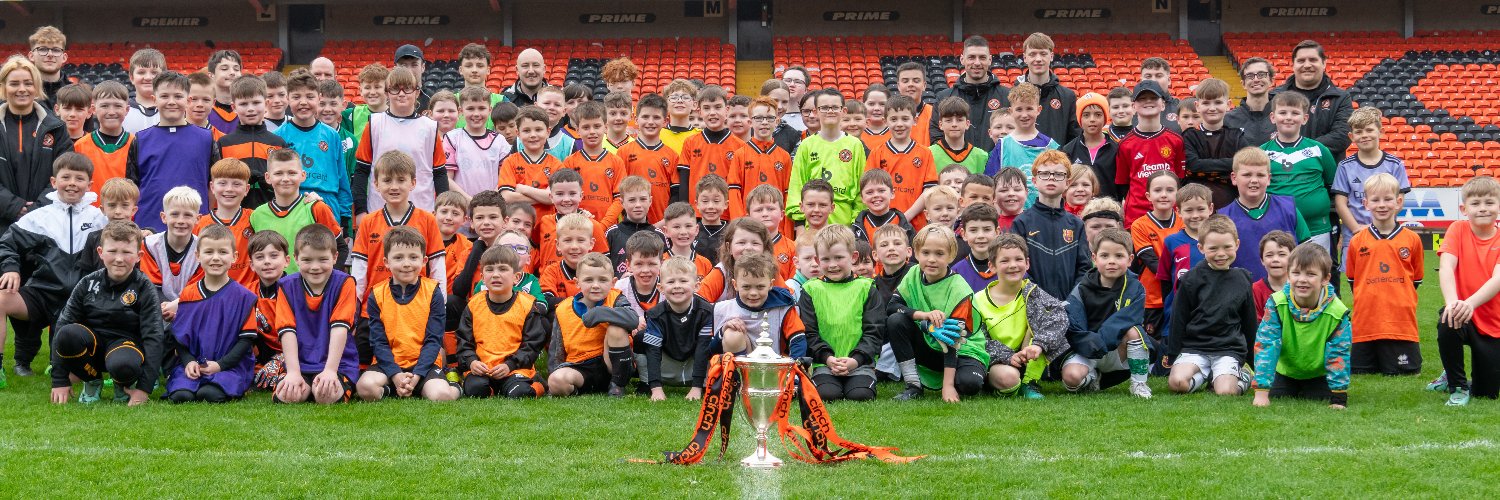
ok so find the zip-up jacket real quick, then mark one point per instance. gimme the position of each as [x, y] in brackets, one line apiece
[1102, 163]
[117, 310]
[1059, 116]
[1256, 125]
[1054, 240]
[1095, 326]
[251, 144]
[28, 146]
[684, 336]
[1327, 116]
[52, 241]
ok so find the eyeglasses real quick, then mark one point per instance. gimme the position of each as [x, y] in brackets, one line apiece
[794, 81]
[48, 51]
[520, 249]
[1050, 176]
[829, 108]
[1258, 75]
[402, 91]
[763, 118]
[679, 97]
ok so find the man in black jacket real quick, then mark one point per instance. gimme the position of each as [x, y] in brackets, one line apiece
[531, 76]
[1328, 116]
[1058, 119]
[980, 89]
[1253, 115]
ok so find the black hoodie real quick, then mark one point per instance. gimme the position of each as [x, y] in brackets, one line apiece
[1328, 114]
[1059, 116]
[983, 98]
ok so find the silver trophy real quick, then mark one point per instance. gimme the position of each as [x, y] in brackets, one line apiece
[761, 373]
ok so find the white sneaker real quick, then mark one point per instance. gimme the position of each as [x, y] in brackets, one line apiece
[1140, 389]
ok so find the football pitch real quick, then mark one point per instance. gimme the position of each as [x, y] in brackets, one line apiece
[1395, 440]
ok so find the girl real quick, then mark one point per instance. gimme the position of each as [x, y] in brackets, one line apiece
[1083, 185]
[744, 235]
[35, 139]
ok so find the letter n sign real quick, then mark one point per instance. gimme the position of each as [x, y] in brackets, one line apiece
[1161, 6]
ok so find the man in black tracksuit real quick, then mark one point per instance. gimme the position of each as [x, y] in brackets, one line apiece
[980, 89]
[111, 323]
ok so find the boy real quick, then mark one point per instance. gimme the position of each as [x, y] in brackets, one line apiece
[1180, 249]
[504, 117]
[761, 161]
[864, 259]
[289, 210]
[566, 191]
[314, 320]
[1384, 272]
[393, 178]
[486, 215]
[1121, 113]
[635, 200]
[372, 90]
[1256, 212]
[145, 64]
[1275, 251]
[224, 67]
[474, 151]
[118, 199]
[831, 155]
[709, 151]
[681, 229]
[405, 315]
[523, 176]
[760, 306]
[979, 231]
[817, 205]
[73, 106]
[1020, 148]
[599, 168]
[1350, 182]
[737, 117]
[320, 146]
[940, 206]
[1100, 214]
[640, 275]
[502, 332]
[679, 333]
[576, 236]
[1054, 237]
[330, 108]
[765, 205]
[1149, 235]
[1187, 114]
[1002, 124]
[252, 137]
[646, 155]
[953, 176]
[1305, 167]
[401, 129]
[560, 139]
[1105, 317]
[47, 242]
[108, 147]
[853, 122]
[954, 149]
[231, 179]
[901, 159]
[1094, 149]
[452, 218]
[1213, 318]
[474, 68]
[978, 189]
[616, 121]
[842, 313]
[680, 96]
[590, 350]
[1148, 148]
[170, 258]
[1209, 148]
[268, 260]
[1469, 256]
[1023, 327]
[876, 129]
[276, 98]
[200, 103]
[1302, 347]
[875, 189]
[173, 153]
[712, 201]
[214, 329]
[930, 313]
[99, 331]
[894, 257]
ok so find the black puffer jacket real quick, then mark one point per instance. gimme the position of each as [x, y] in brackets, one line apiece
[1059, 116]
[1328, 115]
[26, 155]
[983, 98]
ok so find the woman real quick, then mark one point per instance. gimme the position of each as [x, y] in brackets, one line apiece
[30, 139]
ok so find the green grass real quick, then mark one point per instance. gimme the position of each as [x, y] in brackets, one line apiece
[1395, 440]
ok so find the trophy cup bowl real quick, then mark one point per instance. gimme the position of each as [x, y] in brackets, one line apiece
[761, 373]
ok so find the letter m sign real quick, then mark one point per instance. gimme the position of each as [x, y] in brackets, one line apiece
[713, 8]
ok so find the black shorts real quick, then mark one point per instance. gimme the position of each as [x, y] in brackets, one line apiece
[1388, 357]
[344, 381]
[1312, 388]
[596, 375]
[42, 308]
[390, 383]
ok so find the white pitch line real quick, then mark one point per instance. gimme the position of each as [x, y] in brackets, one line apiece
[1478, 444]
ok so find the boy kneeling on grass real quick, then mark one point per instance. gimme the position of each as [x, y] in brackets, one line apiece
[679, 332]
[1302, 346]
[315, 311]
[406, 317]
[930, 315]
[112, 323]
[215, 328]
[1105, 314]
[1213, 317]
[1023, 327]
[502, 332]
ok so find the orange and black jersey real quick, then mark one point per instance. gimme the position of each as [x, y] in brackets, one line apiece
[709, 152]
[658, 165]
[558, 281]
[601, 180]
[544, 235]
[873, 139]
[512, 333]
[955, 155]
[239, 225]
[700, 262]
[368, 263]
[456, 253]
[573, 342]
[520, 168]
[784, 250]
[912, 170]
[406, 326]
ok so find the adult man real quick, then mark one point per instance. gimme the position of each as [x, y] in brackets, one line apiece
[1058, 119]
[979, 88]
[796, 79]
[322, 69]
[1253, 116]
[531, 76]
[410, 57]
[49, 51]
[1328, 114]
[1160, 71]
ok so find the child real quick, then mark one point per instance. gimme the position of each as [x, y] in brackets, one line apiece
[894, 256]
[1148, 148]
[681, 230]
[807, 267]
[269, 259]
[231, 179]
[214, 329]
[394, 179]
[1020, 148]
[1187, 113]
[252, 139]
[200, 104]
[853, 121]
[1094, 149]
[224, 67]
[1121, 113]
[401, 129]
[979, 231]
[289, 210]
[1002, 124]
[900, 158]
[842, 314]
[118, 199]
[817, 206]
[524, 175]
[737, 118]
[1105, 317]
[761, 161]
[1149, 234]
[1275, 251]
[276, 98]
[616, 121]
[1023, 327]
[679, 333]
[864, 259]
[503, 115]
[1101, 214]
[46, 243]
[502, 332]
[314, 318]
[452, 218]
[941, 204]
[598, 168]
[743, 236]
[759, 306]
[832, 156]
[876, 129]
[443, 109]
[108, 147]
[1257, 212]
[405, 317]
[566, 191]
[590, 351]
[711, 203]
[765, 205]
[1052, 234]
[954, 149]
[145, 64]
[170, 258]
[1305, 167]
[474, 68]
[170, 154]
[98, 331]
[1209, 147]
[372, 89]
[875, 188]
[978, 189]
[930, 313]
[1384, 272]
[321, 148]
[1213, 318]
[1302, 347]
[640, 271]
[953, 176]
[73, 107]
[646, 156]
[1469, 258]
[709, 151]
[680, 95]
[1010, 195]
[1082, 187]
[486, 215]
[1351, 182]
[575, 239]
[560, 142]
[1180, 249]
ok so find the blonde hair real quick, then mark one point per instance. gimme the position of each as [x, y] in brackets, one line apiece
[833, 235]
[120, 189]
[575, 222]
[595, 259]
[21, 63]
[943, 191]
[1364, 117]
[936, 234]
[1481, 185]
[1079, 173]
[182, 196]
[1382, 183]
[1102, 204]
[679, 265]
[47, 34]
[1251, 156]
[634, 183]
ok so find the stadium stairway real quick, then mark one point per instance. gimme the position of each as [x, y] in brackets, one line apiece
[1222, 68]
[750, 74]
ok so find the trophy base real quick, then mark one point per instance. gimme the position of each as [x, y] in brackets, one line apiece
[761, 461]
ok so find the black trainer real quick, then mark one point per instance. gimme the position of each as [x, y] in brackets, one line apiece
[912, 391]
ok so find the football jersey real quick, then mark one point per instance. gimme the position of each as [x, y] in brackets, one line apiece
[1303, 171]
[109, 158]
[1148, 233]
[970, 157]
[601, 180]
[701, 155]
[1384, 271]
[291, 219]
[673, 137]
[1350, 182]
[912, 169]
[239, 226]
[369, 242]
[544, 235]
[521, 169]
[658, 165]
[874, 139]
[1140, 155]
[1476, 264]
[840, 162]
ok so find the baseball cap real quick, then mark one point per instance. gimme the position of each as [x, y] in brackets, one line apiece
[1147, 86]
[408, 50]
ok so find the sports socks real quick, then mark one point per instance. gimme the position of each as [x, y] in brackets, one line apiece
[1135, 355]
[1196, 383]
[621, 365]
[909, 372]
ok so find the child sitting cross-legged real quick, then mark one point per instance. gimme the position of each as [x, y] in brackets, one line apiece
[502, 332]
[406, 315]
